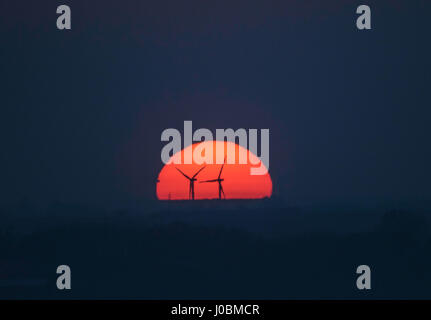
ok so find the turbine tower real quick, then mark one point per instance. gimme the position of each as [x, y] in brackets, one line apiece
[192, 182]
[219, 180]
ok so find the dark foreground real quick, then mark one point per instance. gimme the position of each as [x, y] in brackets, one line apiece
[264, 253]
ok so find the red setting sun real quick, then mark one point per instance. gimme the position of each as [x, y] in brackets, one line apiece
[213, 181]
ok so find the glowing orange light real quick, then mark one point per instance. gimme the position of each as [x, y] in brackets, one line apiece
[236, 180]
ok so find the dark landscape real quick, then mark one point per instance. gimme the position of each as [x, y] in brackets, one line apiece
[184, 250]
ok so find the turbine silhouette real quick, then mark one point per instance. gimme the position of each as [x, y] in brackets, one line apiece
[219, 180]
[192, 182]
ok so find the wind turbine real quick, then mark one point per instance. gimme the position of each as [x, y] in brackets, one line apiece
[219, 180]
[192, 182]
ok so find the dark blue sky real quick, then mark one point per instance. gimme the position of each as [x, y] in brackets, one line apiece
[348, 111]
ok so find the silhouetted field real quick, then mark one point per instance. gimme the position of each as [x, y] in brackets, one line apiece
[239, 253]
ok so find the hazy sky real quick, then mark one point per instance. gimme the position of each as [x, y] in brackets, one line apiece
[82, 110]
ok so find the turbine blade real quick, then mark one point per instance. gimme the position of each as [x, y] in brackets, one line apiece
[198, 172]
[219, 175]
[183, 173]
[222, 191]
[221, 169]
[214, 180]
